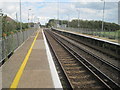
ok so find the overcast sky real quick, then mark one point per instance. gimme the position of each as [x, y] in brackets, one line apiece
[47, 9]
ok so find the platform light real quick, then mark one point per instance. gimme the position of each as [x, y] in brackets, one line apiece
[28, 17]
[78, 11]
[20, 16]
[68, 19]
[103, 15]
[58, 13]
[1, 16]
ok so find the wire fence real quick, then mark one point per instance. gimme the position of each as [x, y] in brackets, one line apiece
[12, 42]
[115, 35]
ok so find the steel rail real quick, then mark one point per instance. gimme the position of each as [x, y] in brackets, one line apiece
[107, 81]
[99, 58]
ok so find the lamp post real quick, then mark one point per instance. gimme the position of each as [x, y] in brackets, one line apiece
[28, 17]
[21, 21]
[38, 22]
[68, 19]
[33, 17]
[20, 17]
[58, 13]
[16, 17]
[78, 17]
[103, 15]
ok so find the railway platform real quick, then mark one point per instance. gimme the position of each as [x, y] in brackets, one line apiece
[31, 66]
[112, 41]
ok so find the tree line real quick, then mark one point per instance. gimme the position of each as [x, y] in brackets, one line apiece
[9, 25]
[84, 24]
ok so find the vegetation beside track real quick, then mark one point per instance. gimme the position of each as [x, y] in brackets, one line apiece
[10, 26]
[111, 30]
[85, 24]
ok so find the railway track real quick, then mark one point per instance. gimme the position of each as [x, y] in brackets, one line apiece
[107, 68]
[97, 46]
[79, 72]
[91, 50]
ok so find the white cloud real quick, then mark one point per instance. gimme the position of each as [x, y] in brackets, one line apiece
[93, 0]
[45, 11]
[9, 8]
[21, 0]
[58, 0]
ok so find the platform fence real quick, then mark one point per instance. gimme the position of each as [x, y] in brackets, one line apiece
[12, 42]
[95, 32]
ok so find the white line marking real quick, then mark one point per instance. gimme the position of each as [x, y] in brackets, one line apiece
[55, 77]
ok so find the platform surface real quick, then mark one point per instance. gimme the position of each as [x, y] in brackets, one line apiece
[37, 73]
[112, 41]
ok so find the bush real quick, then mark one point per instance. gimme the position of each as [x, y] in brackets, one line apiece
[9, 25]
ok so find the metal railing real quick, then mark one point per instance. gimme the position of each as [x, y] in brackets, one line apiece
[12, 42]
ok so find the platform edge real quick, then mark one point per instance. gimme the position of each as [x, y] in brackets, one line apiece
[56, 81]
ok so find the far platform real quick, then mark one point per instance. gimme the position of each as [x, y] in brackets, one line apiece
[111, 41]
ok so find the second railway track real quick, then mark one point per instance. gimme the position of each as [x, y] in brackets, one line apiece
[80, 74]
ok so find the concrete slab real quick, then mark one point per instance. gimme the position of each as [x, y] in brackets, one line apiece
[36, 79]
[37, 61]
[36, 52]
[39, 44]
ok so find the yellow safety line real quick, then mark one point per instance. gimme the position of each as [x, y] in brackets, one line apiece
[20, 72]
